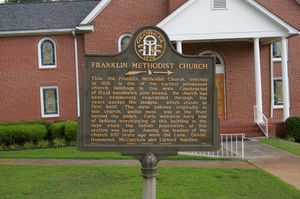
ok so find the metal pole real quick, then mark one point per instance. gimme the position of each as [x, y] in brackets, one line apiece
[149, 173]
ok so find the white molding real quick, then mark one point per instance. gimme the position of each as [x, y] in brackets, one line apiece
[85, 28]
[175, 13]
[225, 35]
[39, 54]
[272, 16]
[91, 16]
[42, 101]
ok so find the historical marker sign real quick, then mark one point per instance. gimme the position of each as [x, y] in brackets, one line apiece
[148, 98]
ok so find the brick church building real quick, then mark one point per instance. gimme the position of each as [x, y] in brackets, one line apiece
[256, 44]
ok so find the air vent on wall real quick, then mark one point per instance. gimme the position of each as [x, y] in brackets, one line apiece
[219, 4]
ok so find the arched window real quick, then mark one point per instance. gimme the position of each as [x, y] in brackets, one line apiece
[124, 41]
[47, 53]
[219, 60]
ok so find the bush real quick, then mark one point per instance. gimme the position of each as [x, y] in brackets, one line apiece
[42, 143]
[66, 130]
[59, 142]
[71, 131]
[57, 130]
[29, 145]
[22, 133]
[31, 122]
[292, 128]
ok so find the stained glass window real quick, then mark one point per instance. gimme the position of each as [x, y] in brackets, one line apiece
[277, 50]
[124, 41]
[49, 101]
[278, 94]
[47, 53]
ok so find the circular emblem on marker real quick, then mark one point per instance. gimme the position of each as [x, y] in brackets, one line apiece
[150, 45]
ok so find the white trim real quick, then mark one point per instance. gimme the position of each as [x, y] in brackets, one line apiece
[95, 12]
[39, 54]
[42, 101]
[272, 16]
[175, 13]
[120, 39]
[85, 28]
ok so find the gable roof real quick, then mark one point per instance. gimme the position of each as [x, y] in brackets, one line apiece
[44, 15]
[241, 20]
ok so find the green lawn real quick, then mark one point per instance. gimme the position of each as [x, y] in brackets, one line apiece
[73, 153]
[286, 145]
[31, 181]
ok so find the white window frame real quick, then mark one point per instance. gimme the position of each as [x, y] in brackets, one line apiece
[287, 51]
[221, 8]
[42, 101]
[120, 39]
[40, 53]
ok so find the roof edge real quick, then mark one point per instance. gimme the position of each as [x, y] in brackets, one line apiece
[175, 13]
[91, 16]
[273, 17]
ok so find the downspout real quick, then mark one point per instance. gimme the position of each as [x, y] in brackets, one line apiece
[77, 76]
[272, 81]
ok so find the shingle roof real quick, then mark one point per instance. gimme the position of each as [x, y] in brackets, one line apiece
[46, 15]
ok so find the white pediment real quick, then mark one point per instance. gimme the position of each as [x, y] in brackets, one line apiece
[242, 19]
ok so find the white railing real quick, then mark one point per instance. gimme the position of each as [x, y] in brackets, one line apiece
[232, 146]
[261, 120]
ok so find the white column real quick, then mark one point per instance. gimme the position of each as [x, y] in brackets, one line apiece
[257, 77]
[285, 85]
[179, 46]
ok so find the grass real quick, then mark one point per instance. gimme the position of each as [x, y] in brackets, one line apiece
[73, 153]
[125, 182]
[286, 145]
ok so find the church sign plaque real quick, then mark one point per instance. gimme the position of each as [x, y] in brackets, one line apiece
[148, 99]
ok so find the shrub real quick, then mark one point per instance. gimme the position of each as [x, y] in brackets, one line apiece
[71, 130]
[42, 143]
[292, 128]
[31, 122]
[13, 146]
[29, 145]
[22, 133]
[66, 130]
[57, 130]
[59, 142]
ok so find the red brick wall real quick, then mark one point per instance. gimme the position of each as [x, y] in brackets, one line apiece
[21, 77]
[288, 10]
[239, 75]
[174, 4]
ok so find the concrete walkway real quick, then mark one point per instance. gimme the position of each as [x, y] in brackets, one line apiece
[280, 163]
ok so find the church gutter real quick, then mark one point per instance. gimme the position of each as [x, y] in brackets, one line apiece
[36, 32]
[76, 69]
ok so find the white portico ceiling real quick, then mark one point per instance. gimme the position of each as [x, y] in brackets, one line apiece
[241, 20]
